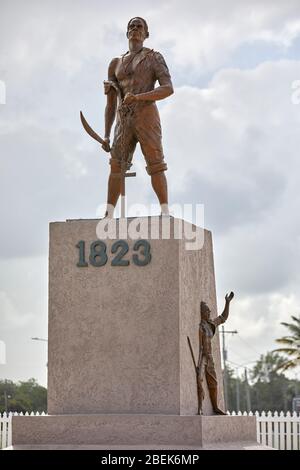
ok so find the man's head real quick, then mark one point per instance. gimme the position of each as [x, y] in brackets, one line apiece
[137, 29]
[204, 311]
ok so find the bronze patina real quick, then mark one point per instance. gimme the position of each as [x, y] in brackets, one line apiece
[205, 366]
[131, 96]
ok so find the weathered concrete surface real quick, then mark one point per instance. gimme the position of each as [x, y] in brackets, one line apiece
[133, 430]
[225, 446]
[121, 374]
[221, 429]
[118, 334]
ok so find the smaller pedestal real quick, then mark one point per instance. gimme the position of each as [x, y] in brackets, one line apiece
[134, 431]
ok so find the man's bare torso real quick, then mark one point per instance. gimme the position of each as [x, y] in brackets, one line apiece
[137, 72]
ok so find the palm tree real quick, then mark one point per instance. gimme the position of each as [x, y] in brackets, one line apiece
[267, 367]
[292, 345]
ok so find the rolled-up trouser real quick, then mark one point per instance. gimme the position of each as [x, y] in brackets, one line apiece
[207, 367]
[140, 123]
[210, 373]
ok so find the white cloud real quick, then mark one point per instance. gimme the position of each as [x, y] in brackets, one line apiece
[2, 353]
[2, 92]
[232, 145]
[10, 317]
[257, 320]
[204, 34]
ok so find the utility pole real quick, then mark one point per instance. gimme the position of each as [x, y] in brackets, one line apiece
[6, 397]
[224, 364]
[237, 390]
[225, 369]
[5, 401]
[248, 396]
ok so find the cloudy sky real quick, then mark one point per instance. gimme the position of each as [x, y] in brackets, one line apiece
[231, 140]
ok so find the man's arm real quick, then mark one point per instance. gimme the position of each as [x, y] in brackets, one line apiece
[164, 79]
[161, 92]
[200, 353]
[224, 315]
[111, 104]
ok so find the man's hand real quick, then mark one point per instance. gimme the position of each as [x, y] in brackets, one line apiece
[107, 86]
[229, 297]
[130, 98]
[106, 145]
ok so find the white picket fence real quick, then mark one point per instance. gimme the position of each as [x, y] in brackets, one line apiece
[5, 430]
[6, 426]
[278, 430]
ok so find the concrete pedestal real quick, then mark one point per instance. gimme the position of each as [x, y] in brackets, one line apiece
[133, 430]
[118, 334]
[121, 373]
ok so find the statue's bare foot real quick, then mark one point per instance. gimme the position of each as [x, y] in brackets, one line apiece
[219, 412]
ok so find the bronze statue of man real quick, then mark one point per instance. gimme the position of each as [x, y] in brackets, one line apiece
[131, 94]
[206, 366]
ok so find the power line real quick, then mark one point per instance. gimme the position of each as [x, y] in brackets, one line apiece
[241, 366]
[224, 364]
[246, 385]
[248, 396]
[245, 360]
[248, 344]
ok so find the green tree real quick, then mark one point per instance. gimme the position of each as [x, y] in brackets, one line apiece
[7, 390]
[266, 368]
[291, 343]
[236, 400]
[269, 389]
[24, 396]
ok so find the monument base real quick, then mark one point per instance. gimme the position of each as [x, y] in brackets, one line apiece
[118, 327]
[133, 431]
[118, 349]
[239, 445]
